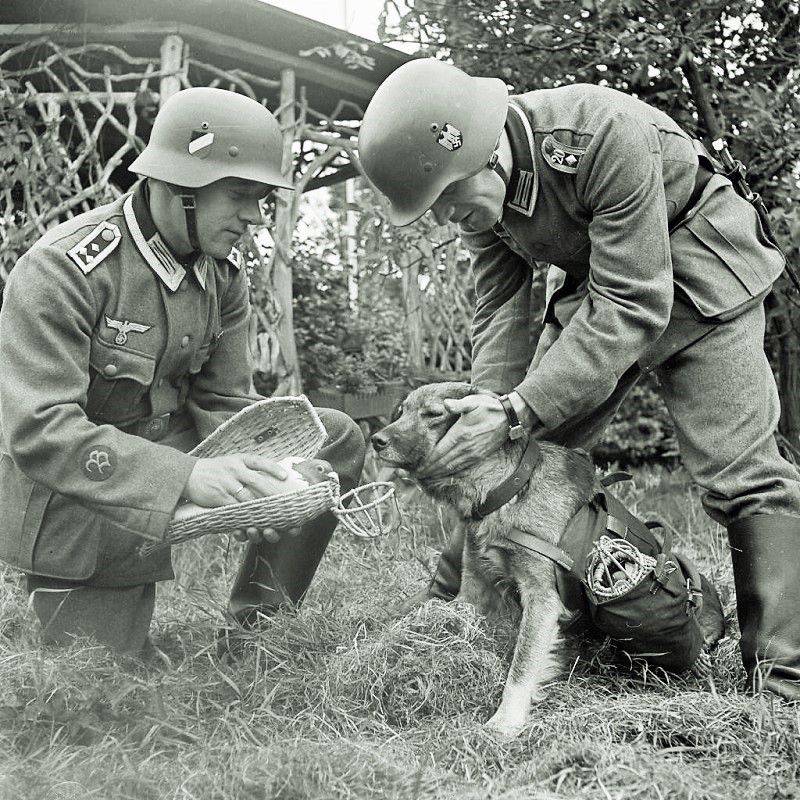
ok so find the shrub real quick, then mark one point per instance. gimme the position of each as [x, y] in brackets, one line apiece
[641, 430]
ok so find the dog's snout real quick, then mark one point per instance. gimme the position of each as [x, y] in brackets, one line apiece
[379, 441]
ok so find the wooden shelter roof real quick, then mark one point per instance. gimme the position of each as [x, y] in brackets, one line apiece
[248, 34]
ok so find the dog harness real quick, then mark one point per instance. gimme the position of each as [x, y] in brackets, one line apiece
[611, 569]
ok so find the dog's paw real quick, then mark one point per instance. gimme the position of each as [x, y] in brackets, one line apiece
[503, 727]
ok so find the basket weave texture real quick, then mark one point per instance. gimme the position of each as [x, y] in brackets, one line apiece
[277, 427]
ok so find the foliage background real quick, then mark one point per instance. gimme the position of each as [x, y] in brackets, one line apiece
[741, 57]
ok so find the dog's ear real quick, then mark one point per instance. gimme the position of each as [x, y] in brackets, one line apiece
[397, 412]
[435, 412]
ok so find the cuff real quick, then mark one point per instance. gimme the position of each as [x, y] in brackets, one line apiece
[541, 405]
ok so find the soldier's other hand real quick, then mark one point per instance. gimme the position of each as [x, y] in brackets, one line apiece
[257, 535]
[224, 480]
[481, 429]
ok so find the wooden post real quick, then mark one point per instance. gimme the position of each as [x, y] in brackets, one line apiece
[289, 381]
[171, 59]
[412, 301]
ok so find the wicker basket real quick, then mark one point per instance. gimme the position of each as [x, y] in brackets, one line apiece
[277, 427]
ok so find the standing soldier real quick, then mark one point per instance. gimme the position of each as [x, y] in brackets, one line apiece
[123, 339]
[658, 265]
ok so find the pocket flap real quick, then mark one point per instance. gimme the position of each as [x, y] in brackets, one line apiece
[114, 362]
[729, 226]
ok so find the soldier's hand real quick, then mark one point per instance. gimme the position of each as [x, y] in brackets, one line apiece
[257, 535]
[481, 429]
[224, 480]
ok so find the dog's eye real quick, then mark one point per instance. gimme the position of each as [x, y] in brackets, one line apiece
[432, 413]
[397, 413]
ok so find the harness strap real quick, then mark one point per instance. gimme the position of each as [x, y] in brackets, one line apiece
[533, 543]
[615, 477]
[513, 484]
[701, 178]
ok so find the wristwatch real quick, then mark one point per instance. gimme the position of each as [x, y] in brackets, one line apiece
[515, 429]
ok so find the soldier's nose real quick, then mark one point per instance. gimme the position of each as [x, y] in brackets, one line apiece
[251, 213]
[442, 212]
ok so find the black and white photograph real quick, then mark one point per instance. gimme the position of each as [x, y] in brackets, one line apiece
[399, 399]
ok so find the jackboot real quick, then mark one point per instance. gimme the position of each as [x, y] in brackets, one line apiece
[765, 550]
[271, 575]
[446, 581]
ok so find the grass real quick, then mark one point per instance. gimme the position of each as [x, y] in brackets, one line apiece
[343, 701]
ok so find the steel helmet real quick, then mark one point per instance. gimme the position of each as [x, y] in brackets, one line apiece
[201, 135]
[429, 124]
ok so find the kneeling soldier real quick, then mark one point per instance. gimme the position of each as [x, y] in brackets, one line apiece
[123, 339]
[658, 264]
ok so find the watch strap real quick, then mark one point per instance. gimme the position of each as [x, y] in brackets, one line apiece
[515, 429]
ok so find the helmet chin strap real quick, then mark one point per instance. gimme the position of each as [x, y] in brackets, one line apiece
[189, 204]
[494, 164]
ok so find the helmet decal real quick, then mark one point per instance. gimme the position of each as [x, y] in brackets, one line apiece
[450, 138]
[200, 141]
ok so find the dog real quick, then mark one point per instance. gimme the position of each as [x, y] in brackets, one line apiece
[562, 482]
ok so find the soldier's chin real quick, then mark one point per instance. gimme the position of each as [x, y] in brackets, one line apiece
[221, 248]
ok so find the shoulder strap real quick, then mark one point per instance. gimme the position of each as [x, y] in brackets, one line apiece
[540, 546]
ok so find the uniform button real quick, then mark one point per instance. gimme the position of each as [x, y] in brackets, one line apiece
[160, 382]
[110, 370]
[185, 341]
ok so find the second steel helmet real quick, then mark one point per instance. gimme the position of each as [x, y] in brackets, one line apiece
[429, 124]
[201, 135]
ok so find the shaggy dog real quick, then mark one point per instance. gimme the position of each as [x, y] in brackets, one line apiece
[562, 482]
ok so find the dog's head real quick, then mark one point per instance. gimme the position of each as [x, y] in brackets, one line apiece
[418, 423]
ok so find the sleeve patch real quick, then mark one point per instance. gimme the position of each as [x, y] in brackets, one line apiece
[562, 157]
[92, 249]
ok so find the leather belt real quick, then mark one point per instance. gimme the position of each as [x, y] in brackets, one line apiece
[154, 428]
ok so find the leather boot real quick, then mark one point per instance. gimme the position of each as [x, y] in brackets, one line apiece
[271, 575]
[765, 550]
[446, 581]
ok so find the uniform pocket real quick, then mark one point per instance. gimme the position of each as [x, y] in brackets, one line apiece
[730, 228]
[16, 539]
[205, 351]
[67, 539]
[119, 384]
[42, 531]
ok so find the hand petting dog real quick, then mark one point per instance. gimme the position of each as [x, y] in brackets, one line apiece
[482, 428]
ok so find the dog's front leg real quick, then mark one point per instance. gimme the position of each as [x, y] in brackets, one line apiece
[475, 588]
[533, 663]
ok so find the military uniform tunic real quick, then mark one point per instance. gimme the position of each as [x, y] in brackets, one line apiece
[116, 358]
[650, 265]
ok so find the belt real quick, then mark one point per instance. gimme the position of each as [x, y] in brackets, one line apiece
[154, 428]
